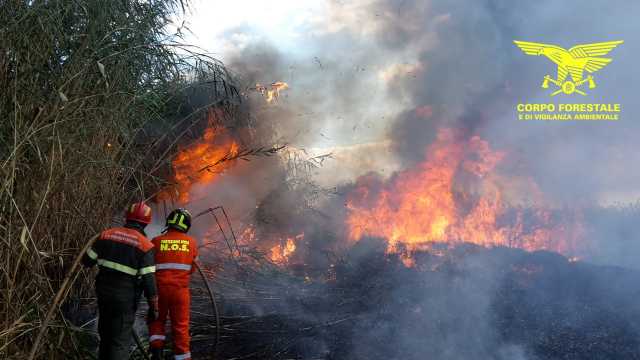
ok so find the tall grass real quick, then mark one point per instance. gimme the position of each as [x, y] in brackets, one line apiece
[91, 96]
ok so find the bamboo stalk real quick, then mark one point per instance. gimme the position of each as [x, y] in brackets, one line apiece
[59, 296]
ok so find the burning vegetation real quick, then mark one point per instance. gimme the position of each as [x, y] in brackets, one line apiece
[201, 161]
[455, 195]
[450, 255]
[280, 253]
[415, 263]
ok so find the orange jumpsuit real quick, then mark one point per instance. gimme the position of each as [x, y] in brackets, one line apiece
[175, 253]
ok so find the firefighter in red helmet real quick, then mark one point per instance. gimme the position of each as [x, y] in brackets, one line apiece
[175, 254]
[124, 256]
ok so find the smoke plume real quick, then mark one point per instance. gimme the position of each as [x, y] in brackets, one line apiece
[371, 84]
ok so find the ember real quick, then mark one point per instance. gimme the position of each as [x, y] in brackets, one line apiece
[271, 92]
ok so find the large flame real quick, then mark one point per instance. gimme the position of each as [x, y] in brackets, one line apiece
[453, 196]
[200, 162]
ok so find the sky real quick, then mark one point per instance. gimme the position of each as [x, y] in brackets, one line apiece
[282, 22]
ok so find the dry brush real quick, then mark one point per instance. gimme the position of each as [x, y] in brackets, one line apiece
[92, 104]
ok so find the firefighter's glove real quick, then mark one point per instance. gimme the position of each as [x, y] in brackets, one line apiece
[153, 314]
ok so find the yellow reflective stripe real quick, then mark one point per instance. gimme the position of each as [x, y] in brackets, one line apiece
[179, 218]
[118, 267]
[181, 223]
[147, 270]
[92, 254]
[175, 218]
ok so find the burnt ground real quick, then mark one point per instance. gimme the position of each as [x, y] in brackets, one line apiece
[460, 303]
[465, 302]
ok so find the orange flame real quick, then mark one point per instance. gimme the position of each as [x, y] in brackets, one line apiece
[428, 204]
[247, 236]
[199, 162]
[281, 253]
[271, 92]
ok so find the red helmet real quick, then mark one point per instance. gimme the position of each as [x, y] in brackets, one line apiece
[139, 212]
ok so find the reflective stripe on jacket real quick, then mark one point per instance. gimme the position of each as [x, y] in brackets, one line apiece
[124, 255]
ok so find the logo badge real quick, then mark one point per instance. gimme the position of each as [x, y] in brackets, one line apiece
[571, 63]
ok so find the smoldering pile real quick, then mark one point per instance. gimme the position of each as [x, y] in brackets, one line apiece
[456, 302]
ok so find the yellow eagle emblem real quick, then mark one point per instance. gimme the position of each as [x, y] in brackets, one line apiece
[573, 61]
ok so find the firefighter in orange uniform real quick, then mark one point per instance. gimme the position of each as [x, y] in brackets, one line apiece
[175, 253]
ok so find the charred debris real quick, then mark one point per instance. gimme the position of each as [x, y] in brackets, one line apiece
[456, 302]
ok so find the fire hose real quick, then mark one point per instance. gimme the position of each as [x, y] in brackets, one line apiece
[212, 298]
[214, 307]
